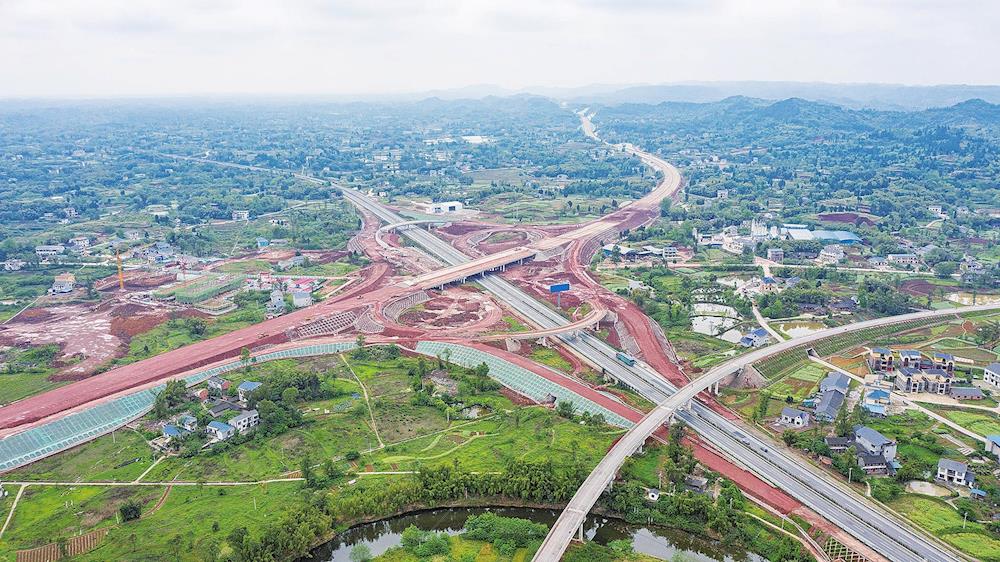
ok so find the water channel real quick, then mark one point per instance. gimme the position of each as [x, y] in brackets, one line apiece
[662, 543]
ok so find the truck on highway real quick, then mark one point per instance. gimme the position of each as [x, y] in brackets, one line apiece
[627, 359]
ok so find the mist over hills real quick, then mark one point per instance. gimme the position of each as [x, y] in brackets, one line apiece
[856, 96]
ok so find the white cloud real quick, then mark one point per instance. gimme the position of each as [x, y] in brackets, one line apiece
[164, 47]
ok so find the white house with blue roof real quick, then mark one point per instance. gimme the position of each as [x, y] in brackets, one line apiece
[755, 338]
[220, 430]
[246, 388]
[173, 432]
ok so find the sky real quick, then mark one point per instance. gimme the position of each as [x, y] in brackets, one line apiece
[108, 48]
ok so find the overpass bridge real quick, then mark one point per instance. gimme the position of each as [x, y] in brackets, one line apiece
[403, 225]
[884, 532]
[571, 521]
[877, 528]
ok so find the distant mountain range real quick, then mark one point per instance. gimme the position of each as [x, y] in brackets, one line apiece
[855, 96]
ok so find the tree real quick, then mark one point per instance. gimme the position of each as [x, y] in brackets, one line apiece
[330, 471]
[945, 268]
[566, 409]
[760, 412]
[130, 510]
[307, 472]
[789, 437]
[842, 425]
[290, 395]
[361, 553]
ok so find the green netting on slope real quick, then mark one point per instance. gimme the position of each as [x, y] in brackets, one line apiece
[74, 429]
[517, 378]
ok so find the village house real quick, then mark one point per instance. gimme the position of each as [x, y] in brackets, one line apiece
[966, 393]
[844, 306]
[878, 262]
[171, 431]
[755, 338]
[189, 423]
[291, 262]
[246, 388]
[276, 305]
[881, 359]
[831, 254]
[301, 299]
[776, 255]
[220, 431]
[13, 264]
[245, 421]
[910, 358]
[954, 472]
[945, 361]
[218, 383]
[991, 374]
[794, 417]
[241, 215]
[63, 283]
[48, 250]
[993, 445]
[903, 259]
[738, 244]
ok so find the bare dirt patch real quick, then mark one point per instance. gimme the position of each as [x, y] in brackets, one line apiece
[88, 336]
[454, 308]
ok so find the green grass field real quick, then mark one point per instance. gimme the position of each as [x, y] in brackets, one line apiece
[551, 357]
[245, 266]
[490, 443]
[21, 385]
[182, 529]
[799, 383]
[944, 522]
[982, 423]
[110, 458]
[333, 269]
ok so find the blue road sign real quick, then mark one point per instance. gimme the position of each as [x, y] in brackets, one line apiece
[559, 287]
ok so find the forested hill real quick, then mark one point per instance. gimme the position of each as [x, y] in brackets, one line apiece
[801, 157]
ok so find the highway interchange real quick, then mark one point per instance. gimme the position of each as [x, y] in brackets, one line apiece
[883, 532]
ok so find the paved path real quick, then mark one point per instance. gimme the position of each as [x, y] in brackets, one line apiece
[145, 472]
[13, 506]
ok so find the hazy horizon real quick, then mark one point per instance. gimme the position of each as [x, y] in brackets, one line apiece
[156, 48]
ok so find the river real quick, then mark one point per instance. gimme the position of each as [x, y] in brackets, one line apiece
[656, 541]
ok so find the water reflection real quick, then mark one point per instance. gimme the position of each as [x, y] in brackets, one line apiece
[661, 543]
[800, 328]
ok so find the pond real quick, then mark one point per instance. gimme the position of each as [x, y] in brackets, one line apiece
[708, 308]
[712, 325]
[965, 298]
[659, 542]
[799, 328]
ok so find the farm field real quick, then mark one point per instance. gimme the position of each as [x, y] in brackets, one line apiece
[798, 384]
[982, 423]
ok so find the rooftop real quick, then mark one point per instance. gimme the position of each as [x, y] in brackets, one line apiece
[871, 436]
[954, 466]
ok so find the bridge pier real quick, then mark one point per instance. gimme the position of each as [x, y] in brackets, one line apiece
[579, 532]
[715, 388]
